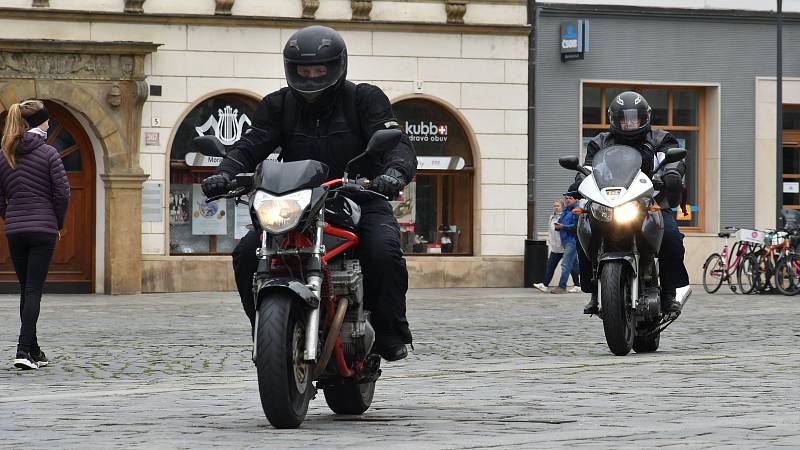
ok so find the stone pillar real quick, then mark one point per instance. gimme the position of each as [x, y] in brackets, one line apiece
[123, 243]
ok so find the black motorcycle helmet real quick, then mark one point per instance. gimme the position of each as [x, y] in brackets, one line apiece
[315, 61]
[629, 117]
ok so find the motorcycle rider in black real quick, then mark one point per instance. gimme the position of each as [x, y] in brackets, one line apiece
[322, 116]
[629, 117]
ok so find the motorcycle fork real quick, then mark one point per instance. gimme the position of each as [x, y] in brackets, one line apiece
[315, 284]
[634, 288]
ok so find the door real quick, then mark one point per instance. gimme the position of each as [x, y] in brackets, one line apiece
[72, 269]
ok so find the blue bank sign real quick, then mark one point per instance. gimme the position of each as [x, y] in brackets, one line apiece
[574, 39]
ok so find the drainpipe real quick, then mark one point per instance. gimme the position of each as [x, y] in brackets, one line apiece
[779, 120]
[533, 16]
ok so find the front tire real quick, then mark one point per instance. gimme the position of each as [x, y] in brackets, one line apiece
[284, 379]
[747, 273]
[787, 275]
[713, 273]
[618, 320]
[350, 398]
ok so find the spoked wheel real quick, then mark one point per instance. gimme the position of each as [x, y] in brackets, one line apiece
[713, 273]
[618, 319]
[284, 379]
[350, 398]
[747, 273]
[787, 275]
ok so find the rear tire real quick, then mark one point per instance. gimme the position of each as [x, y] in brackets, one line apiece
[284, 381]
[787, 275]
[350, 398]
[713, 273]
[618, 320]
[647, 344]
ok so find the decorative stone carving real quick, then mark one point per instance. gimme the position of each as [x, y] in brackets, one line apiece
[66, 66]
[114, 97]
[361, 9]
[224, 7]
[310, 8]
[134, 6]
[455, 10]
[41, 3]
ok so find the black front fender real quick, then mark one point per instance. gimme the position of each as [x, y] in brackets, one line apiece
[286, 284]
[628, 257]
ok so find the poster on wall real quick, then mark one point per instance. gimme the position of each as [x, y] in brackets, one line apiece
[405, 207]
[208, 218]
[180, 210]
[152, 196]
[243, 222]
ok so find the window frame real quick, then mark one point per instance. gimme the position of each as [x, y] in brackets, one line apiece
[792, 137]
[700, 129]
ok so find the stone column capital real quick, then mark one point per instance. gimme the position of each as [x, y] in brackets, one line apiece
[124, 180]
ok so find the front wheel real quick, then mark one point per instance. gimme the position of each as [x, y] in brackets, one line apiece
[618, 320]
[713, 273]
[284, 379]
[747, 273]
[350, 398]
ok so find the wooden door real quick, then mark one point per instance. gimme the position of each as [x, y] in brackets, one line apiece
[72, 269]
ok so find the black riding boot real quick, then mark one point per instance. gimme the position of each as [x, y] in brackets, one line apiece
[591, 307]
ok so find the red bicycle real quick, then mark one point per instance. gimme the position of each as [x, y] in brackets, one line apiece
[720, 268]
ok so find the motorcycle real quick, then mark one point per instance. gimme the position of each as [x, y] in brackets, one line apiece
[310, 325]
[620, 228]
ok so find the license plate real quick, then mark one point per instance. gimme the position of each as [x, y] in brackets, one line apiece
[613, 193]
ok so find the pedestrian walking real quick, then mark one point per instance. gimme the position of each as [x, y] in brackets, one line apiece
[556, 251]
[567, 226]
[34, 195]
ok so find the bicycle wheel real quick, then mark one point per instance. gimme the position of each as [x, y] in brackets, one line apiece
[713, 273]
[787, 275]
[746, 273]
[765, 270]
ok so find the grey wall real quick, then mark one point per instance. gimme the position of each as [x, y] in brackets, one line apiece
[659, 49]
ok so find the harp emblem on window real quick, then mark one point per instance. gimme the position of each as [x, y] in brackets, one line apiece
[228, 128]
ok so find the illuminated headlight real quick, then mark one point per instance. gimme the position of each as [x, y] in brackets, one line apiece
[626, 212]
[601, 213]
[280, 214]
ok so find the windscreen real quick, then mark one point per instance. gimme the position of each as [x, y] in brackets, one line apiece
[279, 178]
[616, 166]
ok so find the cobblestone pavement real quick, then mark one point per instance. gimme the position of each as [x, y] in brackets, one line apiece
[492, 368]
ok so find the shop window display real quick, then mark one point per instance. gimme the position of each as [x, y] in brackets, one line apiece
[195, 226]
[435, 210]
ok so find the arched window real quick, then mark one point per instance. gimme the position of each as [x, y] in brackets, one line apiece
[436, 211]
[196, 227]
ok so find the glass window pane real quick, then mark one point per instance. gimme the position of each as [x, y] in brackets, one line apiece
[791, 118]
[685, 105]
[592, 107]
[689, 141]
[588, 134]
[612, 92]
[72, 162]
[659, 102]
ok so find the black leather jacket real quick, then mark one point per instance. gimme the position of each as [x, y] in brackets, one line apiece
[322, 134]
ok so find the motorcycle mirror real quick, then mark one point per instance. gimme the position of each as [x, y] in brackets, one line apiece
[209, 146]
[674, 155]
[572, 163]
[380, 142]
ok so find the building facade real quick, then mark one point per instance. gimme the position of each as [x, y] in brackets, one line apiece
[709, 74]
[129, 83]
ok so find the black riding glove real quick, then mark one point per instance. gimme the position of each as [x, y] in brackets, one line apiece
[389, 184]
[216, 185]
[673, 187]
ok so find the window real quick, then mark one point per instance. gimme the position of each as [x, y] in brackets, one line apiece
[197, 227]
[791, 156]
[676, 109]
[435, 211]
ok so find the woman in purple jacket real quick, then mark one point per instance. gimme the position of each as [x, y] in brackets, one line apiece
[34, 194]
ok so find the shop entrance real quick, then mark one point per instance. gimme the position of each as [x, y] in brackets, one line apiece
[791, 156]
[72, 269]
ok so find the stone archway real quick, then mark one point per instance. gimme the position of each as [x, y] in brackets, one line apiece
[104, 82]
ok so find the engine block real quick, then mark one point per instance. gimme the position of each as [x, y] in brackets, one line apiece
[357, 333]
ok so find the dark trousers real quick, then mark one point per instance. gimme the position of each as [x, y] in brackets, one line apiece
[671, 270]
[31, 254]
[382, 263]
[552, 263]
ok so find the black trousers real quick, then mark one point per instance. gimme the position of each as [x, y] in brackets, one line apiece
[672, 272]
[31, 255]
[382, 263]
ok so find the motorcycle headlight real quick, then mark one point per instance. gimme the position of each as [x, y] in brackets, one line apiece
[280, 214]
[626, 212]
[601, 213]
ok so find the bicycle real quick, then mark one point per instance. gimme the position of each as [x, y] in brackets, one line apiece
[767, 260]
[787, 271]
[719, 268]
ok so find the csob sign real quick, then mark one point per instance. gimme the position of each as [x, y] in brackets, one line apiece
[574, 39]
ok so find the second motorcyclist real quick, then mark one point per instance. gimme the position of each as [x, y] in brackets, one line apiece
[629, 118]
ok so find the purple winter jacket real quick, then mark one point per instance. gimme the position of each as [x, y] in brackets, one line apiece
[33, 196]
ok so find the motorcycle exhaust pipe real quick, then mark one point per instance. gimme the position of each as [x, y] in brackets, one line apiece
[330, 340]
[682, 294]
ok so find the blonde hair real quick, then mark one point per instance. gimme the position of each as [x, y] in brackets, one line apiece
[16, 126]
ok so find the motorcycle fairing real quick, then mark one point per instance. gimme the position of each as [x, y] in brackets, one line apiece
[640, 187]
[279, 178]
[653, 230]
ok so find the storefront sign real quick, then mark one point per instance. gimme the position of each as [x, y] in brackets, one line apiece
[194, 159]
[208, 218]
[426, 131]
[791, 187]
[440, 163]
[152, 196]
[574, 40]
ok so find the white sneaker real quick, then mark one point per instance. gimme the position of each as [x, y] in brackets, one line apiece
[541, 287]
[575, 290]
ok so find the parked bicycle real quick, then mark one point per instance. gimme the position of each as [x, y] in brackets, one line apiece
[721, 268]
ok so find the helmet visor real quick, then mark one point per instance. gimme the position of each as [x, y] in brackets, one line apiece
[313, 78]
[628, 119]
